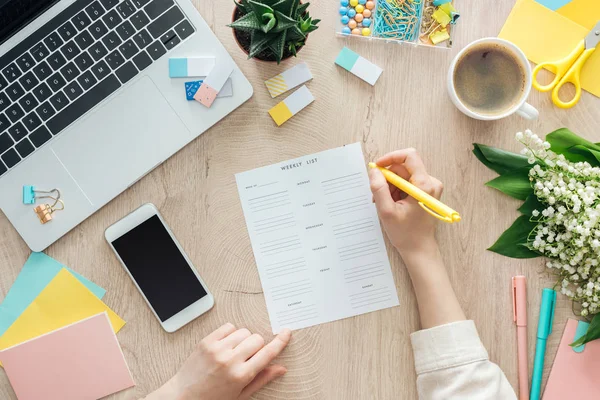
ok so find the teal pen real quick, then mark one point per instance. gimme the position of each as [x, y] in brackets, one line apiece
[544, 330]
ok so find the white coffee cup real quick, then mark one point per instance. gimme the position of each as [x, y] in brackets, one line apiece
[522, 108]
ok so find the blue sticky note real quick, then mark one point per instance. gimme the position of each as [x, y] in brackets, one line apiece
[346, 59]
[553, 4]
[178, 67]
[38, 271]
[191, 88]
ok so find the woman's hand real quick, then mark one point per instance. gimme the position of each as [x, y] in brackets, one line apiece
[407, 225]
[227, 364]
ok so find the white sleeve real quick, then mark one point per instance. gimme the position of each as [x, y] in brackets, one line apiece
[451, 363]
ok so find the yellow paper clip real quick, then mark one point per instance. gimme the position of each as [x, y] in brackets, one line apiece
[439, 36]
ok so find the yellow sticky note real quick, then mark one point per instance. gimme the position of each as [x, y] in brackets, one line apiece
[584, 12]
[63, 301]
[280, 113]
[545, 35]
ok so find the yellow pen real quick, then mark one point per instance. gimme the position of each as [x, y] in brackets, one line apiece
[429, 203]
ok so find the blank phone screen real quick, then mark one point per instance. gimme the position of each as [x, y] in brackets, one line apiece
[159, 268]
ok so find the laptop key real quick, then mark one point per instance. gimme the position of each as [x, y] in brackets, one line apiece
[174, 41]
[11, 158]
[126, 72]
[31, 121]
[112, 19]
[84, 40]
[40, 136]
[108, 4]
[67, 31]
[4, 124]
[25, 62]
[100, 70]
[15, 91]
[56, 82]
[126, 9]
[45, 111]
[140, 3]
[128, 49]
[157, 7]
[56, 60]
[83, 61]
[24, 148]
[4, 101]
[139, 20]
[59, 101]
[142, 60]
[5, 142]
[86, 80]
[81, 21]
[83, 104]
[39, 52]
[11, 72]
[73, 90]
[53, 41]
[98, 29]
[42, 70]
[111, 41]
[69, 71]
[184, 29]
[28, 102]
[42, 92]
[3, 82]
[14, 113]
[94, 10]
[17, 131]
[98, 51]
[142, 39]
[3, 169]
[156, 50]
[125, 30]
[114, 59]
[165, 22]
[28, 81]
[70, 50]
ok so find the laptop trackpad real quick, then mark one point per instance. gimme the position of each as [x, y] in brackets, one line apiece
[111, 148]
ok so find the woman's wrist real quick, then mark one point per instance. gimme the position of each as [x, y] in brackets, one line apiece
[418, 250]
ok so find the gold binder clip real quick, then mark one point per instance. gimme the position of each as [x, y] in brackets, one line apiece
[45, 211]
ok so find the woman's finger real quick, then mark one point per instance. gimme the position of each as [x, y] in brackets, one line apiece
[264, 356]
[220, 333]
[249, 347]
[237, 337]
[263, 378]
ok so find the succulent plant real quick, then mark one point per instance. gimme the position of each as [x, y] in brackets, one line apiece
[274, 25]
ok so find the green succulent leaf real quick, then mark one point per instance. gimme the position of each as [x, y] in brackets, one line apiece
[499, 160]
[285, 7]
[513, 242]
[278, 46]
[513, 183]
[302, 8]
[247, 22]
[592, 333]
[259, 41]
[563, 141]
[295, 34]
[269, 22]
[531, 203]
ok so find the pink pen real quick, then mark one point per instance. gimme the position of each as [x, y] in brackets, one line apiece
[520, 317]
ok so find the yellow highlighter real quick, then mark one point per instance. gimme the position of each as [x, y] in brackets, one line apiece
[429, 203]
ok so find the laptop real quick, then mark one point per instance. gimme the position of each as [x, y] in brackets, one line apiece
[87, 105]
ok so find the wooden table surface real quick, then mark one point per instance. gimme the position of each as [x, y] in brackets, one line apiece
[369, 356]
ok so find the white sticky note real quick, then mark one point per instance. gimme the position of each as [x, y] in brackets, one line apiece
[292, 105]
[213, 84]
[288, 79]
[359, 66]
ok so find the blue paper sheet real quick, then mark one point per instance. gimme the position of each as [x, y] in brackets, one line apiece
[38, 271]
[553, 4]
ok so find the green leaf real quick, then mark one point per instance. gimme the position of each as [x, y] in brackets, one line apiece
[294, 34]
[246, 23]
[531, 203]
[592, 333]
[514, 183]
[591, 156]
[302, 8]
[285, 7]
[513, 242]
[259, 41]
[283, 22]
[242, 5]
[563, 140]
[498, 160]
[260, 8]
[278, 46]
[269, 21]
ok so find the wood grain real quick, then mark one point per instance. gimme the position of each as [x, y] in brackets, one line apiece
[367, 357]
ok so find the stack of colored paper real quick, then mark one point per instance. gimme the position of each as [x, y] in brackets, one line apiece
[55, 330]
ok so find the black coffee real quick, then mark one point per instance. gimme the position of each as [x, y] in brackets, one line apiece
[489, 79]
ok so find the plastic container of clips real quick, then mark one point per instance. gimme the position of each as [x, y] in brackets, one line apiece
[414, 22]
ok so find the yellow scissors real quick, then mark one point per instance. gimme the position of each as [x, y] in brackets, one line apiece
[568, 69]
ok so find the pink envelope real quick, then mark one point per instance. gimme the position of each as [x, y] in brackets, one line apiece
[79, 361]
[574, 374]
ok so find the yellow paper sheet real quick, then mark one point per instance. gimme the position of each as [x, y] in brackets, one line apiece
[584, 12]
[545, 35]
[64, 301]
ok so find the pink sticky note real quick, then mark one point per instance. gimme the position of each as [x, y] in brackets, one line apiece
[80, 361]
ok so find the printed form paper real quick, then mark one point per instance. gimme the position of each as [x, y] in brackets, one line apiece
[316, 238]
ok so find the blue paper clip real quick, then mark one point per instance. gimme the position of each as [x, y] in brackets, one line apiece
[438, 3]
[30, 194]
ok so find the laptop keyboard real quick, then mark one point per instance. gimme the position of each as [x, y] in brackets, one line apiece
[75, 61]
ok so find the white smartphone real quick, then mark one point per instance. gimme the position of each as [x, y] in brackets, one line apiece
[159, 267]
